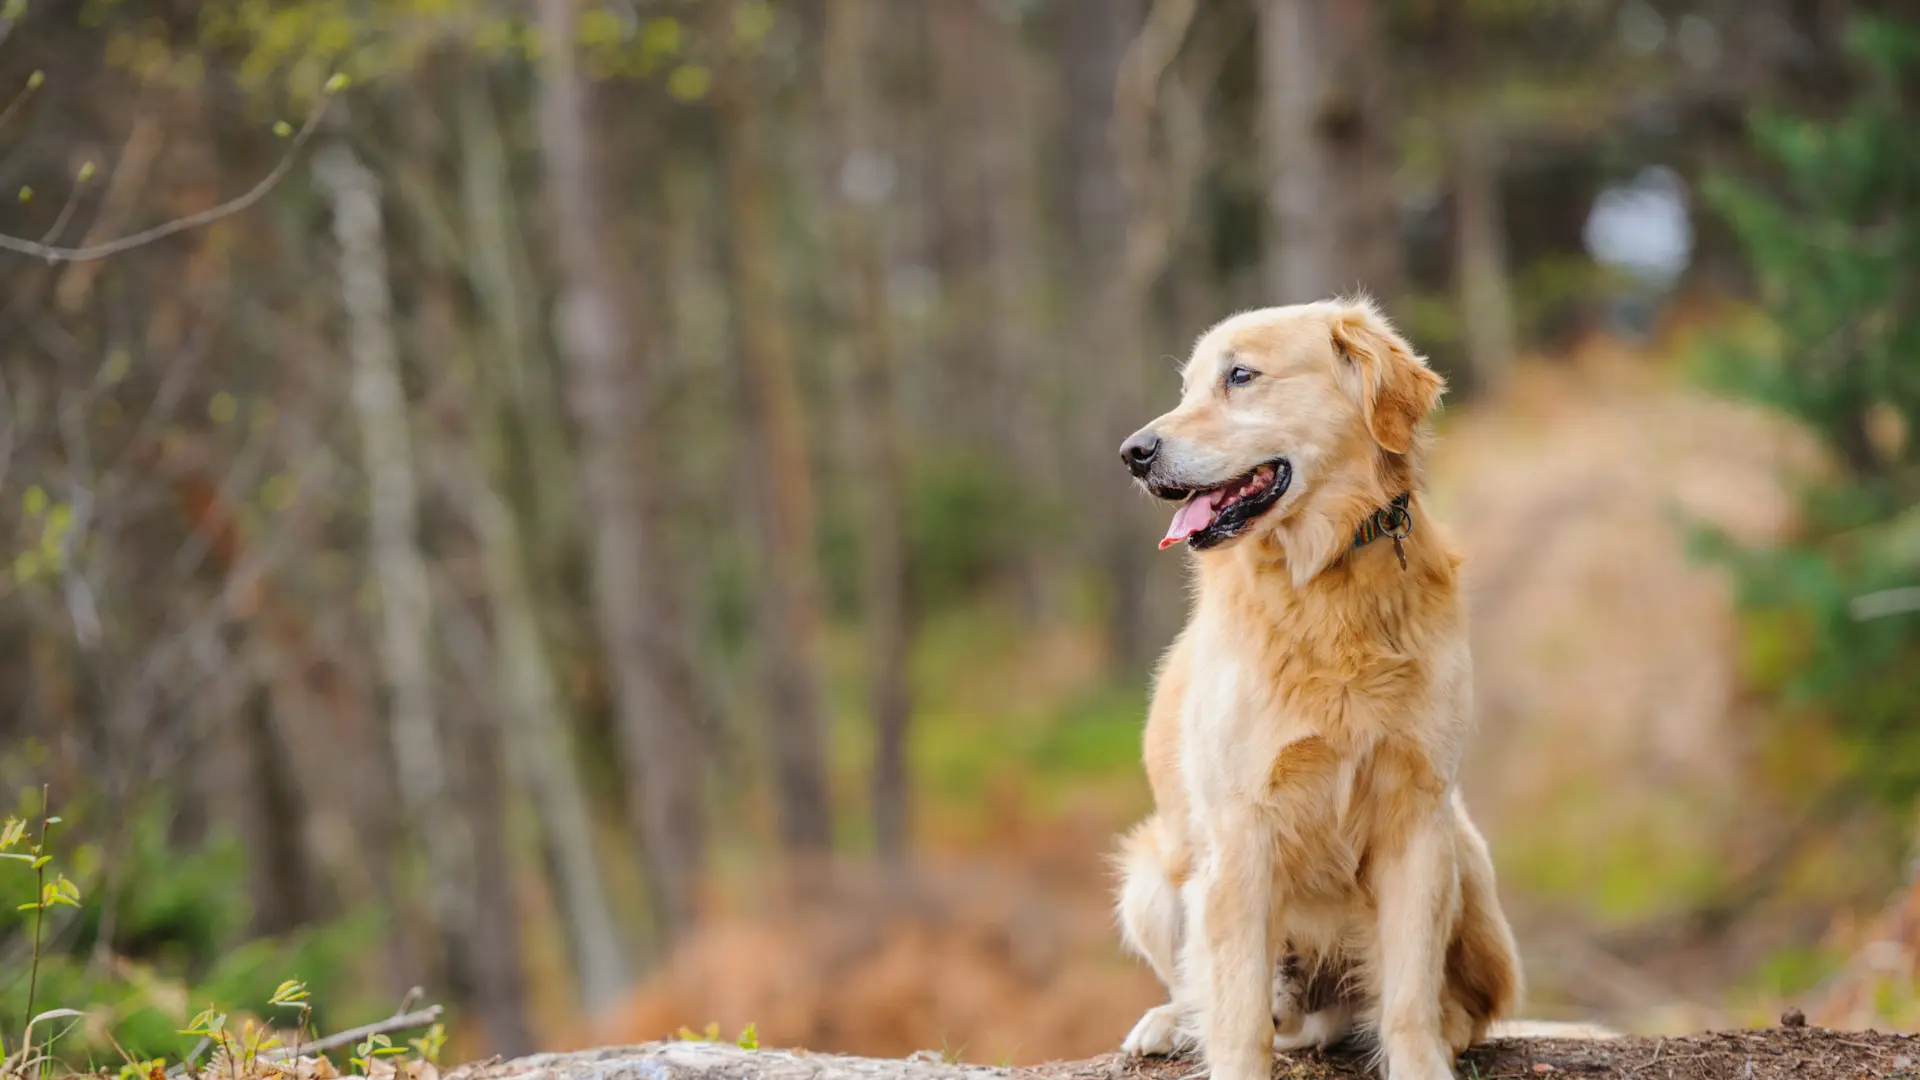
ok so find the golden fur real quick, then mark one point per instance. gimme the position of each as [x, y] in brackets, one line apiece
[1307, 723]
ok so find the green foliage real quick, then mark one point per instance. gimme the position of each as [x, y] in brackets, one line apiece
[967, 522]
[1834, 240]
[749, 1036]
[311, 46]
[42, 550]
[175, 925]
[966, 525]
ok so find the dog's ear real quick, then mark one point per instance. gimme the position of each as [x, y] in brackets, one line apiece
[1395, 387]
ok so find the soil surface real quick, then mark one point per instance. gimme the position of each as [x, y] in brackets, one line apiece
[1796, 1053]
[1801, 1053]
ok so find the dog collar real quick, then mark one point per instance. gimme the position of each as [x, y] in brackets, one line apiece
[1394, 521]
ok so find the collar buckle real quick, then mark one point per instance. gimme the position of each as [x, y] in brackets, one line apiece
[1393, 521]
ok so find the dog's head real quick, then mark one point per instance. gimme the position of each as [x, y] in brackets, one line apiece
[1294, 424]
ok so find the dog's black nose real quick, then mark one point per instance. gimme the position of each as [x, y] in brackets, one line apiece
[1138, 451]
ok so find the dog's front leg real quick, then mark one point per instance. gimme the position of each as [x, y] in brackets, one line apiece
[1416, 884]
[1230, 948]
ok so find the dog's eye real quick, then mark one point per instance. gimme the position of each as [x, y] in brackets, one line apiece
[1240, 376]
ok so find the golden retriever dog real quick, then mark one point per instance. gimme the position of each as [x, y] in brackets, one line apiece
[1310, 868]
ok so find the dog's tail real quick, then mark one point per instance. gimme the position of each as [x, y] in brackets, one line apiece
[1149, 901]
[1549, 1029]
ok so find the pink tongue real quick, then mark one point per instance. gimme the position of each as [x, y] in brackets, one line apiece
[1194, 515]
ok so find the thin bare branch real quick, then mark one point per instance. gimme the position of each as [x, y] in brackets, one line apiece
[1886, 602]
[402, 1021]
[419, 1018]
[235, 205]
[26, 91]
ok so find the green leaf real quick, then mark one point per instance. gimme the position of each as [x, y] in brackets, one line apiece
[209, 1022]
[289, 994]
[752, 22]
[26, 566]
[689, 83]
[429, 1044]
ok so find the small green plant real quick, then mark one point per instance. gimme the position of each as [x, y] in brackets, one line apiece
[48, 894]
[292, 994]
[749, 1038]
[376, 1046]
[254, 1050]
[429, 1045]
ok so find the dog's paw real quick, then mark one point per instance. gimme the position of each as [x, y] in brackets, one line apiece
[1418, 1059]
[1158, 1034]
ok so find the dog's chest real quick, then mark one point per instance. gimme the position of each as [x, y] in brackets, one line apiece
[1294, 737]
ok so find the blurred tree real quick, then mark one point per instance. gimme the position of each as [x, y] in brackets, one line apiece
[1332, 209]
[406, 609]
[780, 467]
[662, 750]
[1833, 234]
[862, 168]
[508, 414]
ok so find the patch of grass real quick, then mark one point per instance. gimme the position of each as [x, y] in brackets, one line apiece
[997, 707]
[1794, 970]
[73, 1013]
[1619, 862]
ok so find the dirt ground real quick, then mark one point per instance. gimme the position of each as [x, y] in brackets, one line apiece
[1797, 1053]
[1800, 1053]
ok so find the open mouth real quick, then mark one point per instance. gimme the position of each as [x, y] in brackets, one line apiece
[1214, 515]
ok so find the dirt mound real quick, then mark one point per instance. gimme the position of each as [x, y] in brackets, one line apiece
[1607, 660]
[970, 958]
[1778, 1054]
[1768, 1054]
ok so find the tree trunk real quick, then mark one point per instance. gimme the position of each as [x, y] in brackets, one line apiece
[659, 742]
[1480, 254]
[780, 476]
[533, 715]
[541, 752]
[851, 40]
[987, 148]
[1332, 217]
[406, 606]
[287, 893]
[1095, 39]
[492, 977]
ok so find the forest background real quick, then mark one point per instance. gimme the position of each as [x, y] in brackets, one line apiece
[606, 510]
